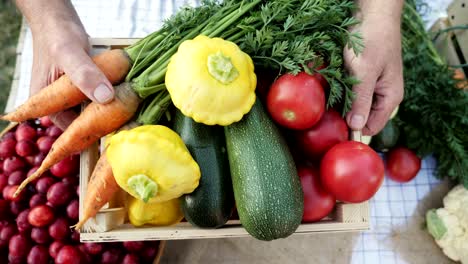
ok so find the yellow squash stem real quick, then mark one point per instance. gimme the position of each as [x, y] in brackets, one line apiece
[143, 186]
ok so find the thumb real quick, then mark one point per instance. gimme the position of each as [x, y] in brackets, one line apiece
[357, 117]
[83, 73]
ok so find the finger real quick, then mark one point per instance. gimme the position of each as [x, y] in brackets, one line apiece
[39, 77]
[63, 119]
[86, 75]
[387, 98]
[359, 113]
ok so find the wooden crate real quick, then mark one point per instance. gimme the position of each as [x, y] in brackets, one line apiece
[344, 218]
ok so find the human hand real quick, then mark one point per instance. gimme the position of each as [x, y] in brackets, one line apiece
[379, 68]
[60, 45]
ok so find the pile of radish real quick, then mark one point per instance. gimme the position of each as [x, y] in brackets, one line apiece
[35, 226]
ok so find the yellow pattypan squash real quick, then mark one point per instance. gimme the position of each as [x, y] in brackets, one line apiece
[152, 163]
[211, 80]
[159, 214]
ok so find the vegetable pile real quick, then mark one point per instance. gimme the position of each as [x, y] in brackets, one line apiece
[284, 156]
[34, 227]
[282, 35]
[206, 68]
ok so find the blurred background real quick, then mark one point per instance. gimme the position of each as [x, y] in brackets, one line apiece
[10, 23]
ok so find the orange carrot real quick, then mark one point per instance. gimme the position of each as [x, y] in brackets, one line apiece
[62, 94]
[101, 187]
[96, 121]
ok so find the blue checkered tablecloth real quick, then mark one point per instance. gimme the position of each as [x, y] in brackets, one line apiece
[393, 207]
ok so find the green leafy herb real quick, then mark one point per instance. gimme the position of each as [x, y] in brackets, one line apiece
[433, 116]
[279, 35]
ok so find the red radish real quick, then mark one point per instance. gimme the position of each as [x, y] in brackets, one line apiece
[41, 215]
[73, 210]
[71, 180]
[12, 164]
[45, 143]
[19, 246]
[66, 167]
[46, 121]
[75, 236]
[7, 232]
[87, 258]
[44, 183]
[22, 221]
[16, 207]
[38, 158]
[3, 181]
[93, 248]
[25, 131]
[29, 160]
[32, 170]
[16, 177]
[25, 148]
[4, 209]
[59, 229]
[131, 259]
[59, 194]
[40, 132]
[9, 134]
[8, 192]
[110, 256]
[329, 131]
[149, 252]
[7, 147]
[15, 259]
[37, 199]
[54, 131]
[134, 246]
[40, 235]
[68, 255]
[54, 248]
[38, 255]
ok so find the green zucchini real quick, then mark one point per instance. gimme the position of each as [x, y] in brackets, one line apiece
[212, 202]
[387, 138]
[267, 189]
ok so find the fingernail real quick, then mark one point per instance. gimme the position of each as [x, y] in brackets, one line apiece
[357, 122]
[103, 94]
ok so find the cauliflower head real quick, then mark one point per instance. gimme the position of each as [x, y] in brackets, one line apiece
[449, 225]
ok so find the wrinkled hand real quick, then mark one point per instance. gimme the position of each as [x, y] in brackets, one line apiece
[62, 46]
[379, 68]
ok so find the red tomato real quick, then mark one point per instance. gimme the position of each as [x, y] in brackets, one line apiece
[318, 203]
[320, 77]
[329, 131]
[352, 171]
[402, 164]
[296, 102]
